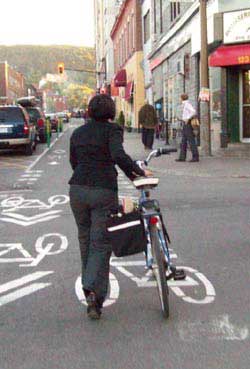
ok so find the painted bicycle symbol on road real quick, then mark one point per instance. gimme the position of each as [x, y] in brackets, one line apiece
[48, 244]
[195, 284]
[13, 206]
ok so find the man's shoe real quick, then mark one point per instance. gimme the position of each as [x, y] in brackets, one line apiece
[193, 160]
[93, 309]
[180, 159]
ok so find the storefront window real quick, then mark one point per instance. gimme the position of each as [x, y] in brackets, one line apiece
[215, 89]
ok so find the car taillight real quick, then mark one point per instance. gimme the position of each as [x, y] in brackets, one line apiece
[40, 122]
[26, 129]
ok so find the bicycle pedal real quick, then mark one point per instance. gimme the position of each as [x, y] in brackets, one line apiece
[179, 275]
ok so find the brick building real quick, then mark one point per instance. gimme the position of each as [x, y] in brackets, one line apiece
[126, 35]
[11, 84]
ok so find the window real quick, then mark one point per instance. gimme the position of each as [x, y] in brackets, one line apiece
[146, 26]
[161, 21]
[132, 32]
[175, 9]
[154, 16]
[128, 39]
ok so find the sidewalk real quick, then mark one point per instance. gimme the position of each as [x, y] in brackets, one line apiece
[219, 167]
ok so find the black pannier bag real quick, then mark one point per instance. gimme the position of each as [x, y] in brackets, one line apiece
[126, 233]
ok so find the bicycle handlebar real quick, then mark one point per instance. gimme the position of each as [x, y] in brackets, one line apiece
[154, 154]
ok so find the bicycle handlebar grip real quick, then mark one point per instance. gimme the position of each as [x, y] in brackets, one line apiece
[164, 151]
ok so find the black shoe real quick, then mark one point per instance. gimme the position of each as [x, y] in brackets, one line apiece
[93, 309]
[193, 160]
[180, 159]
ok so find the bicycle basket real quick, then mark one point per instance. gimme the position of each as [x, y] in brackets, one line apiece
[126, 234]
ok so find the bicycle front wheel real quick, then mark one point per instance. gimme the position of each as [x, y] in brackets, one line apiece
[159, 270]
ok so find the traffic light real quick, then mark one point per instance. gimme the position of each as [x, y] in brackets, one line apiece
[60, 68]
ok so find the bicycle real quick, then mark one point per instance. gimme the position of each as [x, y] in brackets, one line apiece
[157, 253]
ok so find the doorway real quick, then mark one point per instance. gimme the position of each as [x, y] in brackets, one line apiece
[245, 106]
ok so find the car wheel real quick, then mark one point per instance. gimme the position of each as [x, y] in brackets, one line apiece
[28, 149]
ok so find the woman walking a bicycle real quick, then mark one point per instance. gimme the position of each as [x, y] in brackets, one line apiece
[95, 149]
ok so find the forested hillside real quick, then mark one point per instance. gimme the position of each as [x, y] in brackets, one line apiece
[35, 61]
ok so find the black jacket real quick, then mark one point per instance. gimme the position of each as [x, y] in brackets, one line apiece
[95, 148]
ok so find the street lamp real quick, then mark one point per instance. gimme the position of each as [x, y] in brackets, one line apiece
[204, 97]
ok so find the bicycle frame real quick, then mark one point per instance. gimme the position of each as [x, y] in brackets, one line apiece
[150, 209]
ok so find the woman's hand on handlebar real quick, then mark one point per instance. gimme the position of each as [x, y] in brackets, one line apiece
[148, 173]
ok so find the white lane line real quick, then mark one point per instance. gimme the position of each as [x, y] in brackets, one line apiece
[13, 192]
[27, 179]
[6, 299]
[45, 151]
[34, 175]
[21, 281]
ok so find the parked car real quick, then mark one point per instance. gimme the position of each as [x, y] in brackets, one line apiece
[16, 129]
[36, 115]
[53, 120]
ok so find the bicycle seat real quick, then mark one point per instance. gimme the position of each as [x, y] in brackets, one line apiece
[145, 182]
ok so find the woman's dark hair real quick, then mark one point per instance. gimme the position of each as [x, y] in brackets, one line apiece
[184, 97]
[101, 107]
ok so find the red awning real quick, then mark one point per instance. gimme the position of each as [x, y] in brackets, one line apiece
[230, 55]
[114, 89]
[121, 78]
[129, 90]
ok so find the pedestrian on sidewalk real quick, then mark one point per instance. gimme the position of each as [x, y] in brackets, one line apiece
[188, 136]
[148, 120]
[95, 148]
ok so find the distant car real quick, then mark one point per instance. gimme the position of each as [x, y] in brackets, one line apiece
[64, 116]
[16, 129]
[53, 120]
[36, 115]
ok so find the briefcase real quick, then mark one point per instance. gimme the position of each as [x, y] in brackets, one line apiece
[126, 233]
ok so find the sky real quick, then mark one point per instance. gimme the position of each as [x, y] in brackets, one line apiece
[47, 22]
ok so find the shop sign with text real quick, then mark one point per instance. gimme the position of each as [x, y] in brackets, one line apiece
[236, 26]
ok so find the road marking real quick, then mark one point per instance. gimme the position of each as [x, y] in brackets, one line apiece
[28, 175]
[113, 295]
[27, 179]
[26, 221]
[6, 299]
[46, 150]
[24, 280]
[196, 279]
[43, 248]
[219, 328]
[8, 247]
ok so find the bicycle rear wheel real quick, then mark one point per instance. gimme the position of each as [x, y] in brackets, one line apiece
[159, 270]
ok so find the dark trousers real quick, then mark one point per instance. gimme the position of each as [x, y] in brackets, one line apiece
[90, 207]
[188, 137]
[148, 137]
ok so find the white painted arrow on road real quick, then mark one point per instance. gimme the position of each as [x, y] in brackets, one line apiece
[12, 296]
[27, 221]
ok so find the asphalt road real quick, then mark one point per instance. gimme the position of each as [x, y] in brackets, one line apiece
[43, 315]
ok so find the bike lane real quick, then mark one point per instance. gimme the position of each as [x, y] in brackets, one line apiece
[40, 294]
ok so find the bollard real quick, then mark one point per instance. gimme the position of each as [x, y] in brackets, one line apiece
[48, 130]
[59, 126]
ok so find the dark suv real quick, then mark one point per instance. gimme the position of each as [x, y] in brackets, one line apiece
[36, 115]
[16, 129]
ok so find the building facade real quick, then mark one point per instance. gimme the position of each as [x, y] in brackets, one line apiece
[11, 84]
[175, 64]
[126, 35]
[105, 14]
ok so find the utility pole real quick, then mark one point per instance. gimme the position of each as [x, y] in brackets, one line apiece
[205, 127]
